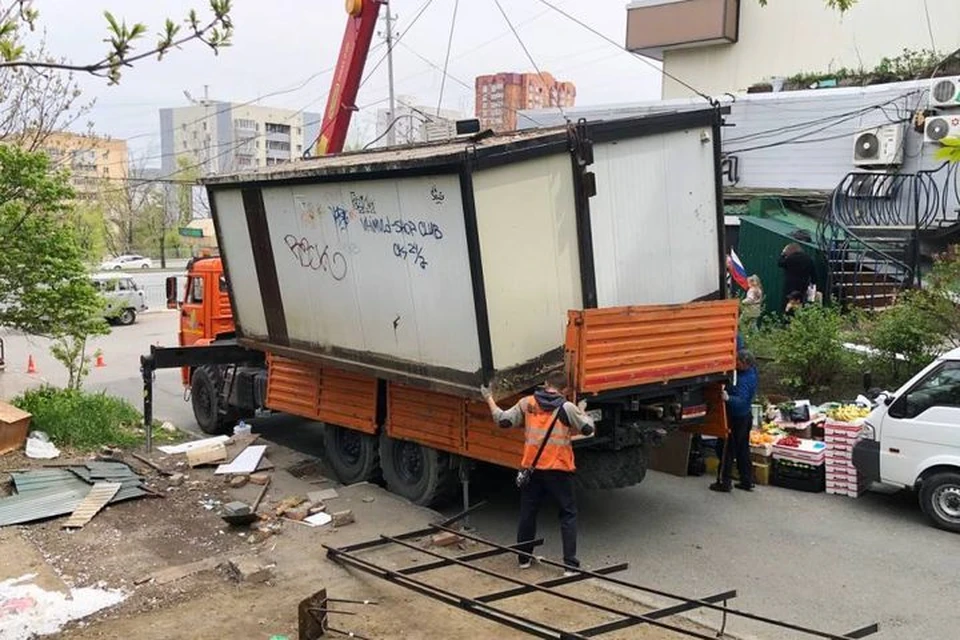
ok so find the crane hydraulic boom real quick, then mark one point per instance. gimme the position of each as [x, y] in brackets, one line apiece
[341, 102]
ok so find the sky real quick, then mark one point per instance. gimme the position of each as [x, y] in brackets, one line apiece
[288, 48]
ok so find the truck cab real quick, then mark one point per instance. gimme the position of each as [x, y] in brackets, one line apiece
[912, 440]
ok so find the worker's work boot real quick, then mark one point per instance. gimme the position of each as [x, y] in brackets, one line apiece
[722, 487]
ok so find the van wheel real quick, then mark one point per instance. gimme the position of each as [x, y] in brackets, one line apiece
[205, 399]
[127, 317]
[353, 455]
[940, 500]
[420, 474]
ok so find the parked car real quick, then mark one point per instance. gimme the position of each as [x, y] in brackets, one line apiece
[124, 298]
[912, 440]
[129, 261]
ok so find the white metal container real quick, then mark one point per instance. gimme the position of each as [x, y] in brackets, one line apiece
[454, 264]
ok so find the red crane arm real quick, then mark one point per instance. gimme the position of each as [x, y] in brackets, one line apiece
[341, 102]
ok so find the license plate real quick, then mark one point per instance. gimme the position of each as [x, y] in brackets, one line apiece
[595, 414]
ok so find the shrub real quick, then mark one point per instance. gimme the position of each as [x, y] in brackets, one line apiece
[81, 419]
[907, 336]
[809, 351]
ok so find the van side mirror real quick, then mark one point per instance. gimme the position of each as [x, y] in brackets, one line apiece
[888, 399]
[172, 302]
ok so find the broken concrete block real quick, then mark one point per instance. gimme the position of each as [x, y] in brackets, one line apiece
[323, 495]
[259, 478]
[445, 539]
[342, 518]
[297, 513]
[251, 570]
[236, 508]
[176, 479]
[288, 503]
[238, 481]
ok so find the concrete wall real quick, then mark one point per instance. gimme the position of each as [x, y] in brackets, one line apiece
[792, 36]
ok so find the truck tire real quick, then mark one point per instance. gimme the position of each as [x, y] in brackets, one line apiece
[611, 469]
[940, 500]
[205, 399]
[353, 455]
[420, 474]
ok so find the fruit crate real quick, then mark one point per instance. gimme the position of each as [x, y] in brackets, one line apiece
[798, 476]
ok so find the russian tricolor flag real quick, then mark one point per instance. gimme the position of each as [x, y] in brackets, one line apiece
[736, 270]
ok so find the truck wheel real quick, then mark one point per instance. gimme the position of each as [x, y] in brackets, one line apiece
[127, 317]
[940, 500]
[353, 455]
[611, 469]
[205, 398]
[420, 474]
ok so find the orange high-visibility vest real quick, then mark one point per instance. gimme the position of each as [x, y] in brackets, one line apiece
[558, 452]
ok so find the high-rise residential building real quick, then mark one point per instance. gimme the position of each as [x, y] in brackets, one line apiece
[499, 96]
[415, 122]
[219, 137]
[91, 160]
[719, 46]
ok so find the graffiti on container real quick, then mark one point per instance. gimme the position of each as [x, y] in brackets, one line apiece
[436, 195]
[410, 251]
[423, 228]
[362, 205]
[340, 218]
[308, 212]
[312, 257]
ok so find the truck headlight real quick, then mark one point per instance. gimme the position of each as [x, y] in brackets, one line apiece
[867, 432]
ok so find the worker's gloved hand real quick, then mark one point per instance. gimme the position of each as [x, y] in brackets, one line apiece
[485, 392]
[582, 405]
[726, 396]
[587, 430]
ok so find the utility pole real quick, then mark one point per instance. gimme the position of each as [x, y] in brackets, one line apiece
[391, 132]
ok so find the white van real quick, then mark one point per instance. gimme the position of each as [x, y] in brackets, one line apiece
[912, 440]
[123, 297]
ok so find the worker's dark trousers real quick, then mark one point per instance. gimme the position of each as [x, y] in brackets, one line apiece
[559, 486]
[738, 446]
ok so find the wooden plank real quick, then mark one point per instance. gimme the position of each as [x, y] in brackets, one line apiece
[210, 454]
[100, 494]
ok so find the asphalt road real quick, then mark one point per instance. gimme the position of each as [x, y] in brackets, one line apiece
[831, 562]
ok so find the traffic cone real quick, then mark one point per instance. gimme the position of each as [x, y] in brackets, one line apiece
[31, 367]
[100, 363]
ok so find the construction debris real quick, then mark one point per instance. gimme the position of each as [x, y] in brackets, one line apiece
[39, 446]
[209, 454]
[13, 427]
[184, 447]
[245, 463]
[176, 479]
[250, 569]
[288, 503]
[101, 494]
[445, 539]
[238, 481]
[150, 463]
[323, 495]
[259, 478]
[48, 493]
[343, 518]
[318, 519]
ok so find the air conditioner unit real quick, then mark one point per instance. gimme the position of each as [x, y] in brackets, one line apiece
[936, 128]
[879, 146]
[870, 185]
[945, 92]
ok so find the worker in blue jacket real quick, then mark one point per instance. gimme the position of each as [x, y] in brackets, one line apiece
[739, 401]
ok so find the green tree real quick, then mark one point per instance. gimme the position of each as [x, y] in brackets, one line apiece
[19, 15]
[840, 5]
[44, 287]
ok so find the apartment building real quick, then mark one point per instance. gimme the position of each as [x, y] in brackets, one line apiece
[91, 160]
[719, 46]
[500, 96]
[220, 137]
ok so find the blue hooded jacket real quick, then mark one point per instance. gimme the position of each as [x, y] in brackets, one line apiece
[741, 394]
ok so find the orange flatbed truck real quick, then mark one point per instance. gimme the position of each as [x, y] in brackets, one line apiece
[376, 291]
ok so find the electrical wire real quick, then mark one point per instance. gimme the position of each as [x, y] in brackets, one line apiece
[446, 60]
[526, 51]
[599, 34]
[926, 10]
[390, 126]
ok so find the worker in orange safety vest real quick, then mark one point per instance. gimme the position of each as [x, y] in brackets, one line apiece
[545, 412]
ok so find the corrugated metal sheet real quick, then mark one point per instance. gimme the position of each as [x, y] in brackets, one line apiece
[47, 493]
[293, 387]
[434, 419]
[487, 441]
[632, 346]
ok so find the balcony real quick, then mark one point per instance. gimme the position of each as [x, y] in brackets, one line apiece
[655, 26]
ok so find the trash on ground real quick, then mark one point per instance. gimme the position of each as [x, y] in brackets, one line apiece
[48, 493]
[318, 519]
[101, 494]
[184, 447]
[168, 427]
[39, 446]
[29, 611]
[14, 423]
[245, 463]
[210, 454]
[242, 429]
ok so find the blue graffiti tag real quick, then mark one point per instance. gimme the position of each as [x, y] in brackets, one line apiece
[340, 218]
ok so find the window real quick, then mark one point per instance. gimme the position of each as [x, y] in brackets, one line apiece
[277, 145]
[277, 128]
[941, 388]
[126, 284]
[195, 294]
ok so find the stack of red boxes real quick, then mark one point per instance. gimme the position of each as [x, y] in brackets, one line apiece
[842, 476]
